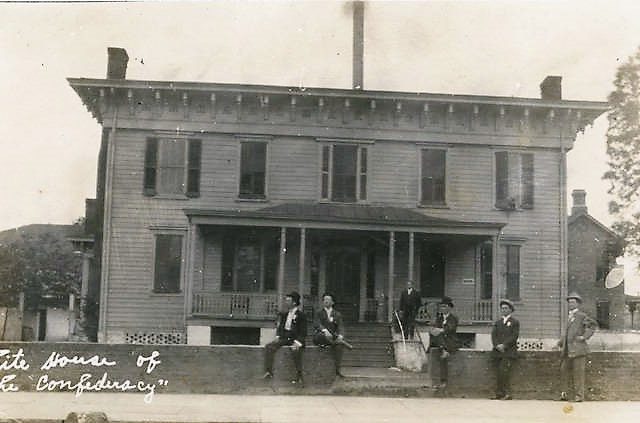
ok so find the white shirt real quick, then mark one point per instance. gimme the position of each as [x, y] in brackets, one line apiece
[572, 313]
[329, 315]
[290, 316]
[505, 318]
[444, 318]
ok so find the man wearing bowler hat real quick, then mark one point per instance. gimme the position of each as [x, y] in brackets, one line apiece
[504, 337]
[291, 331]
[573, 345]
[444, 336]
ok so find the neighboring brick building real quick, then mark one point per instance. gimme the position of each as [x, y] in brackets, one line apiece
[593, 249]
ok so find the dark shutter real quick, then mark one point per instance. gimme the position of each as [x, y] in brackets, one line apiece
[193, 170]
[527, 181]
[150, 166]
[324, 170]
[513, 272]
[502, 179]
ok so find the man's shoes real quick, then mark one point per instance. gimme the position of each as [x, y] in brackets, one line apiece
[298, 382]
[563, 397]
[507, 397]
[267, 375]
[497, 397]
[578, 399]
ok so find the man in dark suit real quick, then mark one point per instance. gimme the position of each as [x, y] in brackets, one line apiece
[504, 337]
[573, 345]
[444, 337]
[410, 302]
[330, 329]
[291, 331]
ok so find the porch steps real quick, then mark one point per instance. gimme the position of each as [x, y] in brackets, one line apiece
[372, 345]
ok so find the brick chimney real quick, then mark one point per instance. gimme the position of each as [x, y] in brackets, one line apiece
[579, 203]
[117, 64]
[551, 88]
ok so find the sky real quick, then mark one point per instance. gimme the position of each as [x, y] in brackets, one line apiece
[49, 147]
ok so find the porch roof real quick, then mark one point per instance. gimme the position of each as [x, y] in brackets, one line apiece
[342, 216]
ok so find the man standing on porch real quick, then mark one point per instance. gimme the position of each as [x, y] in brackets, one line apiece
[444, 336]
[330, 329]
[410, 302]
[291, 331]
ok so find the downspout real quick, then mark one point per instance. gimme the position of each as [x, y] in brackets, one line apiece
[563, 235]
[106, 246]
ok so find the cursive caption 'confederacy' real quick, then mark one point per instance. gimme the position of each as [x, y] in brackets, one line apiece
[87, 382]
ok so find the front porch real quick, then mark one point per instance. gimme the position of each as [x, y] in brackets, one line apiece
[241, 264]
[251, 306]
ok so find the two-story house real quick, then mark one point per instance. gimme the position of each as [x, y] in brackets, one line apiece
[217, 199]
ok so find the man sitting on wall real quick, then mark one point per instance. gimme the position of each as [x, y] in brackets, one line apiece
[330, 330]
[291, 331]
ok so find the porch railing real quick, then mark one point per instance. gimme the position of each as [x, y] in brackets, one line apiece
[467, 310]
[234, 305]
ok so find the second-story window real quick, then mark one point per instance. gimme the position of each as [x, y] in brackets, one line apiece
[514, 179]
[433, 176]
[172, 167]
[344, 169]
[253, 165]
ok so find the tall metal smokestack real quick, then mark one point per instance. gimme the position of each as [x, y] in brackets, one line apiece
[358, 44]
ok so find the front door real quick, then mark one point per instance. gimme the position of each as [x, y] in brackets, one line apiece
[343, 281]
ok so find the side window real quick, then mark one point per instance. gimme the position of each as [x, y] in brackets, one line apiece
[253, 165]
[433, 176]
[514, 180]
[167, 263]
[172, 167]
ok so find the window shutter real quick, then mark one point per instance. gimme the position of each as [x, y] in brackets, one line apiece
[363, 174]
[150, 166]
[324, 171]
[527, 181]
[502, 179]
[193, 168]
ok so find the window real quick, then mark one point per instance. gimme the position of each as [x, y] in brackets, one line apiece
[250, 262]
[168, 263]
[172, 167]
[432, 175]
[602, 314]
[432, 263]
[343, 173]
[514, 180]
[486, 270]
[253, 164]
[513, 272]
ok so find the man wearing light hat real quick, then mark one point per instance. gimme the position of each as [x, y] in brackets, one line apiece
[573, 345]
[504, 337]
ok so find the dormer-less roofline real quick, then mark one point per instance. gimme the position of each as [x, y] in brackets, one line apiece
[596, 106]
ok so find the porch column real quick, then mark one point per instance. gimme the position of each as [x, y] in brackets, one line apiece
[303, 245]
[392, 243]
[364, 305]
[283, 249]
[495, 289]
[410, 272]
[190, 255]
